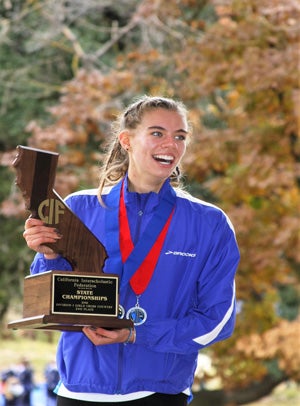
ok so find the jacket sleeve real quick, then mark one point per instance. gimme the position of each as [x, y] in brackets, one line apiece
[211, 316]
[41, 264]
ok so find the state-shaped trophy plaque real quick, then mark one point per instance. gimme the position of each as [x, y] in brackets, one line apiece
[62, 300]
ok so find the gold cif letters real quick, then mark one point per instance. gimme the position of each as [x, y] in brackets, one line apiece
[49, 211]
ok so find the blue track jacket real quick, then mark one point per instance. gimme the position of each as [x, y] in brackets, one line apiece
[190, 300]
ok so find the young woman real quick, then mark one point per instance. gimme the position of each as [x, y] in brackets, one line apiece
[176, 257]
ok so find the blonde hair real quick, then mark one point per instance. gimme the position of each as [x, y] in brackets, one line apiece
[116, 160]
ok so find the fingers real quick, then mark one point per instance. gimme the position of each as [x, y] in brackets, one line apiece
[37, 234]
[101, 336]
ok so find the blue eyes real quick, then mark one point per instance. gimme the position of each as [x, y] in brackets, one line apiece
[159, 134]
[180, 137]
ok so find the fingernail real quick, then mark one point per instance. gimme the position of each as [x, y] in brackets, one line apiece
[58, 233]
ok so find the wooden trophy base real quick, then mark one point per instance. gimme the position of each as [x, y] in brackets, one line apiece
[68, 301]
[68, 323]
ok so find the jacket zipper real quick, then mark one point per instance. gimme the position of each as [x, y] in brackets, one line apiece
[140, 213]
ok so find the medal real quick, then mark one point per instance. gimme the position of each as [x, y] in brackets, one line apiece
[137, 315]
[121, 312]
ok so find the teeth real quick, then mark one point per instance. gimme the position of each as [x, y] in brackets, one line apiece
[164, 158]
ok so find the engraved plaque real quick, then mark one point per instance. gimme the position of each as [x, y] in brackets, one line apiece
[88, 295]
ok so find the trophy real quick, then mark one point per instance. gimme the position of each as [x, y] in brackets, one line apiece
[62, 300]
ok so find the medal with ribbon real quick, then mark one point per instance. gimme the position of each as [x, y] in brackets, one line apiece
[139, 261]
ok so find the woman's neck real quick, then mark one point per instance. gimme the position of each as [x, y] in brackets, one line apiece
[144, 187]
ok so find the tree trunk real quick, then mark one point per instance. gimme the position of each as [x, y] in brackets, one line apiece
[255, 390]
[251, 393]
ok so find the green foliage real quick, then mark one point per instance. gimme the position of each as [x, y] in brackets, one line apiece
[6, 185]
[289, 302]
[274, 369]
[38, 53]
[15, 259]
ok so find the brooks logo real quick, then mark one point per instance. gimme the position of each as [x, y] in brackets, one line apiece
[182, 254]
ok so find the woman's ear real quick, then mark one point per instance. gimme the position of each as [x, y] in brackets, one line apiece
[124, 139]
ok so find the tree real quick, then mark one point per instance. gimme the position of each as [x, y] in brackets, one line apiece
[38, 53]
[234, 63]
[249, 159]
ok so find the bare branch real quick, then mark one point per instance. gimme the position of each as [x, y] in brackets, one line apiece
[116, 37]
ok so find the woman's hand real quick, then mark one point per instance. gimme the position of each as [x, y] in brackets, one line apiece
[101, 336]
[37, 234]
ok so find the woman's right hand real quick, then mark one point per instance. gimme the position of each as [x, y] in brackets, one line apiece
[37, 234]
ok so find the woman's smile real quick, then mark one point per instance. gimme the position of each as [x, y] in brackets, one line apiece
[164, 159]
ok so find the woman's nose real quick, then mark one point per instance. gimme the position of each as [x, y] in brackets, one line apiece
[169, 140]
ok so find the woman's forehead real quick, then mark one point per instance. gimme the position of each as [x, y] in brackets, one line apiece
[164, 118]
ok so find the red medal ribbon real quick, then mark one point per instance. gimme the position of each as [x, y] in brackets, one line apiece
[142, 276]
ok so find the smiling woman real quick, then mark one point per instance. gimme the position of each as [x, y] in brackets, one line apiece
[155, 235]
[155, 148]
[149, 117]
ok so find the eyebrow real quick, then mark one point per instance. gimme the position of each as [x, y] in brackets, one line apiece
[157, 127]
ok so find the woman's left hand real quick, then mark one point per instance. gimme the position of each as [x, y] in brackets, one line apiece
[101, 336]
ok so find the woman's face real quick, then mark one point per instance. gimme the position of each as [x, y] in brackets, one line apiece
[155, 148]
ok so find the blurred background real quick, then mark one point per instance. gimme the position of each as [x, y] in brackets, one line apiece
[66, 71]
